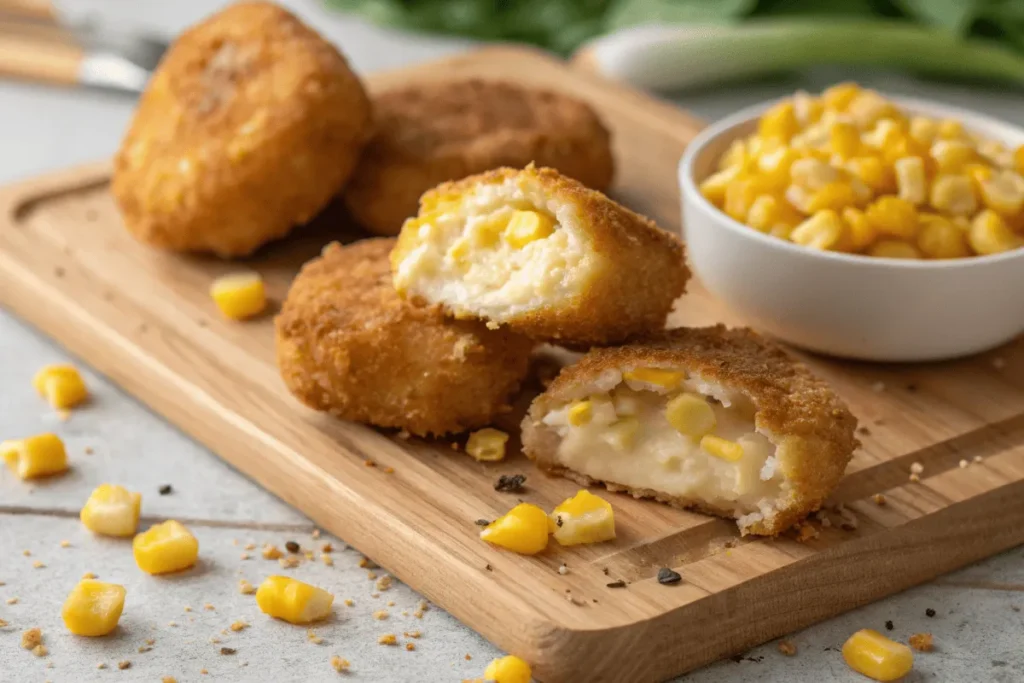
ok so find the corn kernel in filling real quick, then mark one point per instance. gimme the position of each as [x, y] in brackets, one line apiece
[584, 518]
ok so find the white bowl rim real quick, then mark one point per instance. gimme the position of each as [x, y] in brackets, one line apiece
[723, 126]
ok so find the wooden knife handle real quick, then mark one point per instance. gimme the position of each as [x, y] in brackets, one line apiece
[35, 60]
[33, 9]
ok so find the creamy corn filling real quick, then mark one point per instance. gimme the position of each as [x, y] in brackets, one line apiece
[499, 251]
[655, 429]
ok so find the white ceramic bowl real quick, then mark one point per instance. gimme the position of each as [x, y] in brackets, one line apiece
[847, 305]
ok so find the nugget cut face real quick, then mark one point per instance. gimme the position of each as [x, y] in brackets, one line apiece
[348, 345]
[541, 253]
[713, 419]
[430, 133]
[249, 126]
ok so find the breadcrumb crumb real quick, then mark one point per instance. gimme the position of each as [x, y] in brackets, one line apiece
[978, 458]
[387, 639]
[367, 563]
[101, 665]
[65, 544]
[410, 647]
[922, 642]
[271, 552]
[963, 464]
[371, 575]
[12, 601]
[327, 560]
[40, 650]
[349, 602]
[4, 623]
[31, 637]
[381, 615]
[879, 499]
[288, 562]
[916, 467]
[246, 588]
[998, 363]
[124, 664]
[878, 387]
[340, 665]
[168, 679]
[412, 634]
[38, 564]
[208, 607]
[26, 553]
[384, 583]
[914, 477]
[787, 647]
[88, 575]
[244, 556]
[250, 546]
[239, 626]
[327, 548]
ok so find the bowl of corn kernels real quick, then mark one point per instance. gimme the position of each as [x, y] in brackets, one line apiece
[860, 225]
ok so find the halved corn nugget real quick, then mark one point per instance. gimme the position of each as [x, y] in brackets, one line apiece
[348, 345]
[714, 419]
[541, 253]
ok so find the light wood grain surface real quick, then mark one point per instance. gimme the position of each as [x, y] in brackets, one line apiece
[144, 319]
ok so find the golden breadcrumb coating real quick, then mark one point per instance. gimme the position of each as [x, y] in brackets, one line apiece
[250, 125]
[348, 345]
[434, 132]
[811, 427]
[628, 277]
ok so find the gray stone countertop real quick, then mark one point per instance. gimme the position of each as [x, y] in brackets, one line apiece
[978, 624]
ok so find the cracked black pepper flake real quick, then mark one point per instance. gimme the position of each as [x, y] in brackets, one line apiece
[165, 489]
[510, 483]
[911, 388]
[929, 612]
[888, 625]
[558, 521]
[488, 567]
[481, 522]
[616, 584]
[228, 650]
[667, 577]
[291, 546]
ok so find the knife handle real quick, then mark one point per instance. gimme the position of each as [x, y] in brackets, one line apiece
[35, 60]
[42, 10]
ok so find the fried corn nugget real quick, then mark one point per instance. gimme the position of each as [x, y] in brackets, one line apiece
[715, 419]
[432, 133]
[348, 345]
[541, 253]
[249, 126]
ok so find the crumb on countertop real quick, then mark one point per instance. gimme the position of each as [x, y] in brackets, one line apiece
[922, 642]
[340, 665]
[387, 639]
[787, 647]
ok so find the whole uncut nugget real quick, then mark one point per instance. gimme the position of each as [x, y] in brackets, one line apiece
[591, 272]
[811, 429]
[430, 133]
[249, 126]
[348, 345]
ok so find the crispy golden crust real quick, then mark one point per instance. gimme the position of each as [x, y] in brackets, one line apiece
[641, 268]
[249, 126]
[435, 132]
[346, 344]
[811, 427]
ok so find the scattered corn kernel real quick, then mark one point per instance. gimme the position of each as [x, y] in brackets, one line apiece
[659, 377]
[584, 518]
[721, 448]
[239, 295]
[870, 653]
[35, 456]
[164, 548]
[93, 608]
[580, 413]
[690, 414]
[508, 669]
[523, 529]
[989, 234]
[528, 226]
[112, 511]
[487, 445]
[293, 601]
[61, 385]
[922, 642]
[621, 434]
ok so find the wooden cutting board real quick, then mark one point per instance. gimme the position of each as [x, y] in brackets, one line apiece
[144, 318]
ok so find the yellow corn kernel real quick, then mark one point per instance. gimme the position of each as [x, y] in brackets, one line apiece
[782, 231]
[736, 155]
[808, 109]
[952, 155]
[859, 228]
[870, 653]
[690, 414]
[36, 456]
[779, 122]
[978, 173]
[911, 180]
[868, 108]
[996, 153]
[714, 186]
[239, 295]
[487, 233]
[835, 196]
[528, 226]
[774, 166]
[823, 231]
[894, 249]
[923, 130]
[989, 234]
[763, 212]
[871, 171]
[839, 96]
[584, 518]
[660, 377]
[893, 216]
[844, 139]
[1018, 159]
[812, 174]
[742, 193]
[523, 530]
[460, 250]
[1003, 192]
[508, 669]
[487, 444]
[621, 434]
[112, 511]
[61, 385]
[93, 608]
[580, 413]
[954, 194]
[950, 129]
[290, 600]
[721, 448]
[165, 548]
[939, 238]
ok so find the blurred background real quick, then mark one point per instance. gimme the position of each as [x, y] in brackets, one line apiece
[710, 56]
